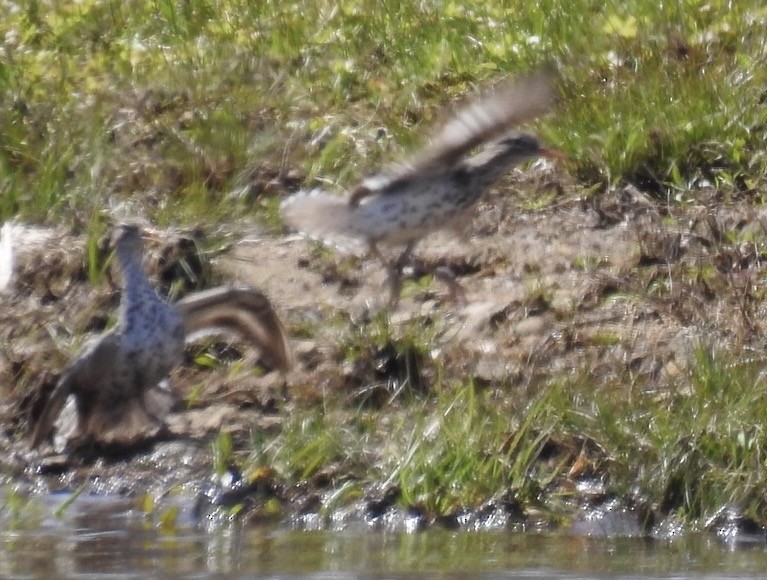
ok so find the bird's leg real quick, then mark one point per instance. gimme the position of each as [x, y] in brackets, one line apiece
[404, 257]
[151, 412]
[394, 270]
[398, 266]
[393, 275]
[456, 292]
[143, 389]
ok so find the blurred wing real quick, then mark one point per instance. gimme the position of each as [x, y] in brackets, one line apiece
[54, 405]
[484, 119]
[239, 311]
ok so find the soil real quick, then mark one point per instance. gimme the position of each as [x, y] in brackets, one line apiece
[613, 285]
[617, 286]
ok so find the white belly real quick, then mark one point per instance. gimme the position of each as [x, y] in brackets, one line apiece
[399, 219]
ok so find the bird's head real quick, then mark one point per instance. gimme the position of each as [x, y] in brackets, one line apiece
[127, 239]
[499, 157]
[520, 146]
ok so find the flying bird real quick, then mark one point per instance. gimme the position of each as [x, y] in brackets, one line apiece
[438, 188]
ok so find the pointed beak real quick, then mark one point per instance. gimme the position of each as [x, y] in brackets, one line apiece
[552, 154]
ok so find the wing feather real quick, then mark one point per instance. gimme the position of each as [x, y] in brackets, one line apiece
[240, 311]
[482, 120]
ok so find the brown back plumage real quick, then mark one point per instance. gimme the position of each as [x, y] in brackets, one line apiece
[116, 380]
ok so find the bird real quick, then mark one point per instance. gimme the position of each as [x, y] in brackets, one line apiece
[407, 201]
[119, 379]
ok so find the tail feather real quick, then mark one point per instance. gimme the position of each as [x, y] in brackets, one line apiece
[318, 214]
[51, 411]
[240, 311]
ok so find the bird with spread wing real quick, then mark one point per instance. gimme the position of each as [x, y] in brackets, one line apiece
[119, 380]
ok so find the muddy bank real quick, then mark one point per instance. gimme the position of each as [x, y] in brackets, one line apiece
[620, 288]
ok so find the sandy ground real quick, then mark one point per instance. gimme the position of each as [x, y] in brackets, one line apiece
[607, 287]
[617, 288]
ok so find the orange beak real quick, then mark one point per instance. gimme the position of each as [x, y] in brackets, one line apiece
[552, 154]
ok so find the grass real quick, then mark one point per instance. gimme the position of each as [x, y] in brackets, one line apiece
[166, 108]
[465, 451]
[168, 103]
[443, 454]
[688, 453]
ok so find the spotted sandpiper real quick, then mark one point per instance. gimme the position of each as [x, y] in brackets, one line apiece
[438, 188]
[117, 380]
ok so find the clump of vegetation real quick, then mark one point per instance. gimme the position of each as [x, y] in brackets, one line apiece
[470, 448]
[690, 449]
[391, 361]
[686, 451]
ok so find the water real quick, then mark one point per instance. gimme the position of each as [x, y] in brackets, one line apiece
[101, 536]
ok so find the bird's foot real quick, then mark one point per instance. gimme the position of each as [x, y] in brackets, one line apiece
[456, 293]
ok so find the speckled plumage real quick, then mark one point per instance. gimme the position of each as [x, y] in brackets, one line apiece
[118, 379]
[115, 377]
[438, 187]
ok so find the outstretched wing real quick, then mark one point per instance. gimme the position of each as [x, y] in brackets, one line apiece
[486, 118]
[84, 377]
[242, 311]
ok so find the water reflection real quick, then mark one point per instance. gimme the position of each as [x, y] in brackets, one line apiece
[105, 536]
